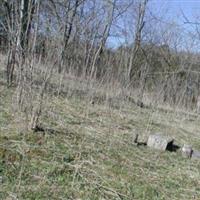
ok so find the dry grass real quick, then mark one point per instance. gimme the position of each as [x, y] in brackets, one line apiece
[87, 152]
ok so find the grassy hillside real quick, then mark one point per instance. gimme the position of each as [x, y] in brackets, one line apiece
[87, 152]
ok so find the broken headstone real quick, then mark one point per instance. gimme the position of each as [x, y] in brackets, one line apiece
[187, 151]
[160, 142]
[196, 154]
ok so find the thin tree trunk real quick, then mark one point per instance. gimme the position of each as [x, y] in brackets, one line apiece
[99, 52]
[67, 31]
[138, 36]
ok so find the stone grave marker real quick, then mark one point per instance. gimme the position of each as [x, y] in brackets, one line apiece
[196, 154]
[159, 142]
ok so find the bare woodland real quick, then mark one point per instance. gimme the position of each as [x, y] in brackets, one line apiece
[62, 47]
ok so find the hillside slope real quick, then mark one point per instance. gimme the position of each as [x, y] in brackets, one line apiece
[87, 152]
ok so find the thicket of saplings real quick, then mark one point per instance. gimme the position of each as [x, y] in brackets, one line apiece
[46, 46]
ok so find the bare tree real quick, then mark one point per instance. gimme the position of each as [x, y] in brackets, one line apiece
[140, 23]
[110, 14]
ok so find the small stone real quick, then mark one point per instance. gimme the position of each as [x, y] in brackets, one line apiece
[140, 104]
[196, 154]
[187, 151]
[159, 142]
[68, 158]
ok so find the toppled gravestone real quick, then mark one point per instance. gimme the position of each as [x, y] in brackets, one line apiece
[160, 142]
[188, 152]
[196, 154]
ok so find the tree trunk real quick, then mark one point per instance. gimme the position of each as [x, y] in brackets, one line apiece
[99, 52]
[67, 31]
[138, 36]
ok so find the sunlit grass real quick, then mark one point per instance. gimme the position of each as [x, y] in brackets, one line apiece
[90, 153]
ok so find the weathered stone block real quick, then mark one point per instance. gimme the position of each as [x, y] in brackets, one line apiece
[159, 142]
[196, 155]
[187, 151]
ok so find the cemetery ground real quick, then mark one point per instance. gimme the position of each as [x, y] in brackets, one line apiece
[88, 152]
